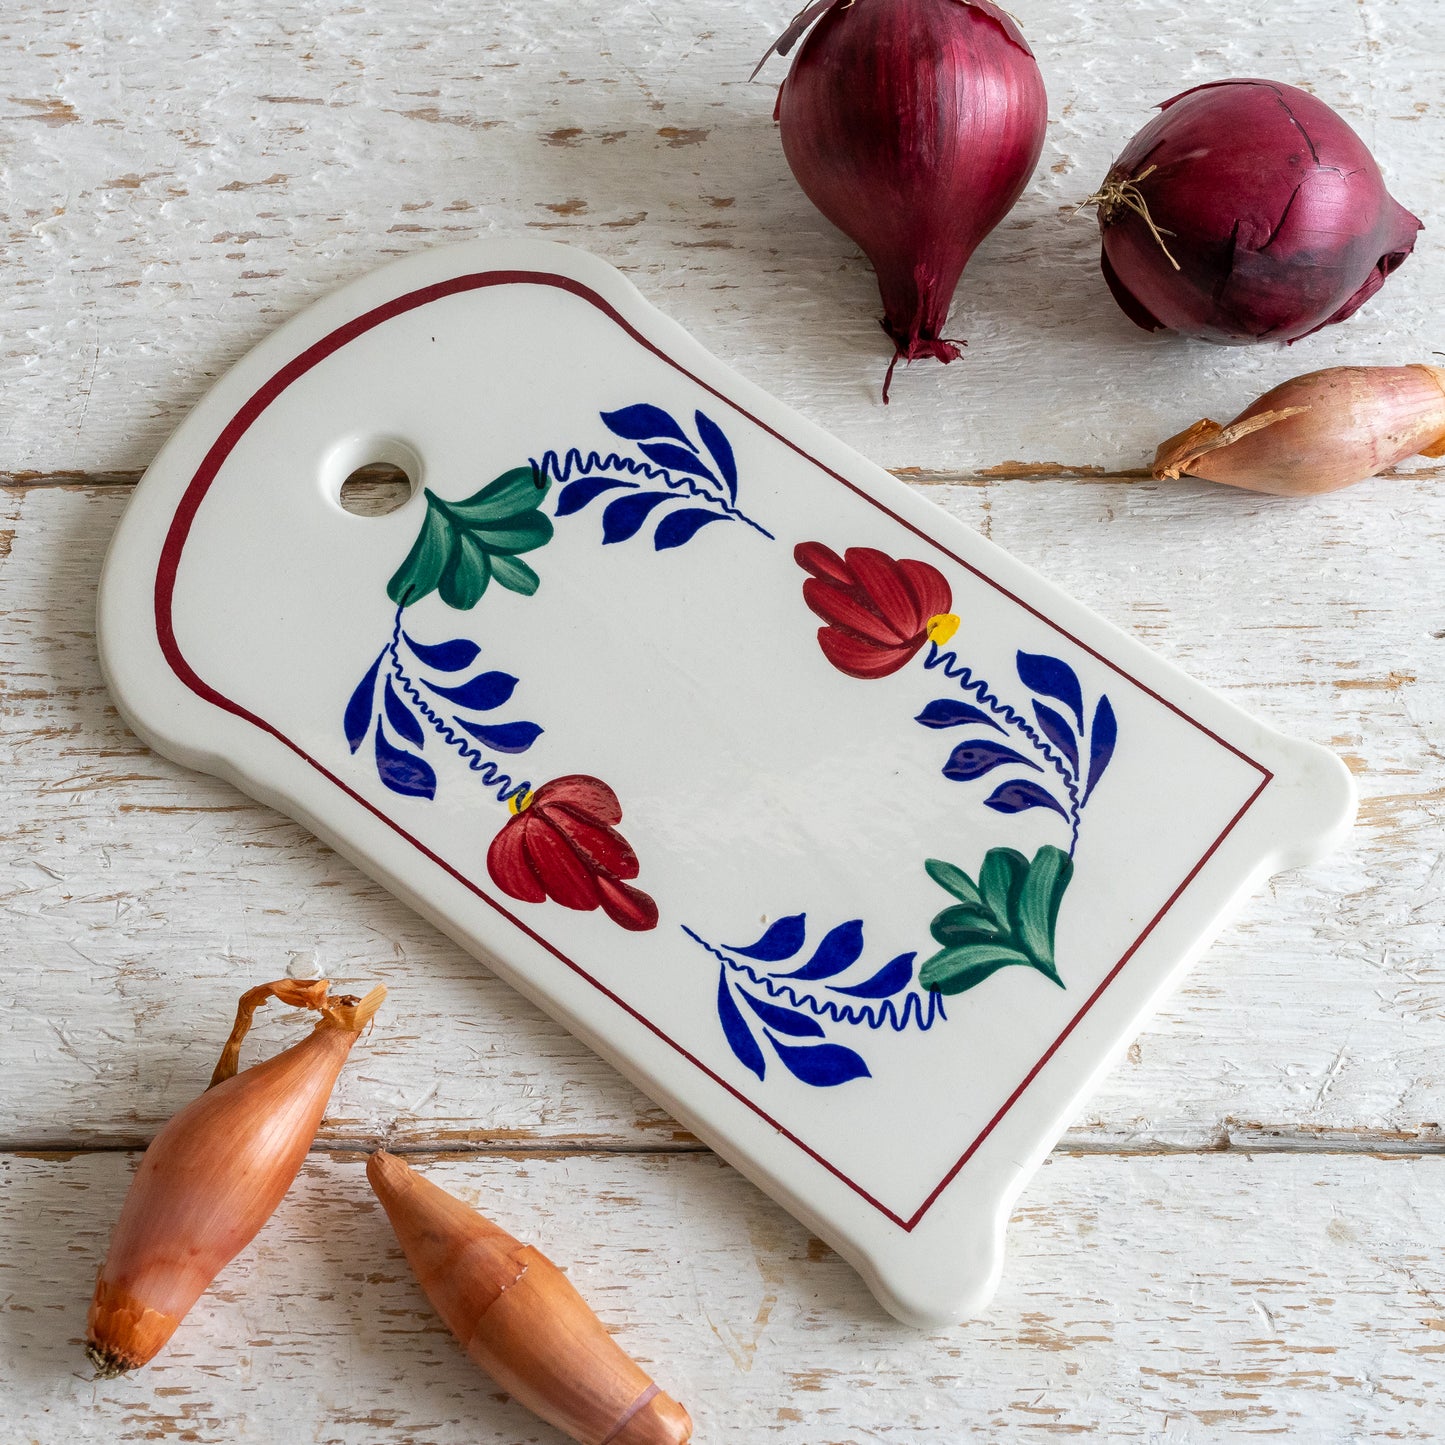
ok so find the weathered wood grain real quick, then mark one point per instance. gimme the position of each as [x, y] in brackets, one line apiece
[177, 180]
[141, 897]
[1305, 1299]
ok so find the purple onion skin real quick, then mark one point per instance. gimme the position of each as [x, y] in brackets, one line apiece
[1273, 207]
[913, 126]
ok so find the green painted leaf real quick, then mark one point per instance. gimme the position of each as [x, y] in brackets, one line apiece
[514, 574]
[963, 924]
[422, 570]
[1001, 880]
[460, 544]
[1038, 904]
[512, 494]
[468, 570]
[517, 534]
[954, 880]
[956, 969]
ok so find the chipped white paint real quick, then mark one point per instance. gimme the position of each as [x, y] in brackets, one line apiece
[173, 182]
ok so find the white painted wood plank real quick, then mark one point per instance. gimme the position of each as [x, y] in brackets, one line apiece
[1303, 1299]
[177, 180]
[140, 898]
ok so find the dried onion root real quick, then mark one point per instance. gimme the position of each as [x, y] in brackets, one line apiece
[215, 1174]
[1317, 433]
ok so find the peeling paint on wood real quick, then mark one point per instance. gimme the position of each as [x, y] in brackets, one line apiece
[154, 227]
[1304, 1299]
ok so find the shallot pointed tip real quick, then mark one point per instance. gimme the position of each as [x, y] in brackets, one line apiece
[387, 1174]
[1173, 456]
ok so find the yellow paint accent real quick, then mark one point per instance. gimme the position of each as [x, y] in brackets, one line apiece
[942, 627]
[519, 802]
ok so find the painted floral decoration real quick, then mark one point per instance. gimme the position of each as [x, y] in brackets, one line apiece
[463, 546]
[879, 611]
[562, 843]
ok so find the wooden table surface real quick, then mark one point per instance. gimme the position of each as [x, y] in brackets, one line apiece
[1240, 1235]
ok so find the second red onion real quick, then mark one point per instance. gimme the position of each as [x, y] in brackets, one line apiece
[912, 125]
[1247, 211]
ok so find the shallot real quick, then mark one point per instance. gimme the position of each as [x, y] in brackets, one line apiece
[215, 1174]
[518, 1317]
[1318, 432]
[912, 125]
[1246, 211]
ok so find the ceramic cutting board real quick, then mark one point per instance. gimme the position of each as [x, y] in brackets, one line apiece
[852, 841]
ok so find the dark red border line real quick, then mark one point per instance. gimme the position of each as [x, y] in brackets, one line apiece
[236, 428]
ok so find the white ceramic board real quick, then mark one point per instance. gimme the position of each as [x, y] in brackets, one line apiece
[847, 837]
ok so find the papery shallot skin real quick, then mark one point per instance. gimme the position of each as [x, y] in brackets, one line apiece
[214, 1175]
[1273, 207]
[913, 126]
[521, 1320]
[1317, 433]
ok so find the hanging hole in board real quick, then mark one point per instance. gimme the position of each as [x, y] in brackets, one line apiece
[376, 490]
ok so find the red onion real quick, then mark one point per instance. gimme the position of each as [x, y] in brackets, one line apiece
[913, 125]
[1247, 211]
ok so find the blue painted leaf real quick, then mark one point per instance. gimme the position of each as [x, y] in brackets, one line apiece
[446, 656]
[739, 1035]
[821, 1065]
[675, 459]
[1102, 737]
[783, 939]
[841, 948]
[642, 422]
[401, 771]
[622, 518]
[1052, 677]
[514, 737]
[892, 978]
[721, 449]
[973, 759]
[679, 527]
[948, 712]
[358, 710]
[1059, 733]
[1018, 796]
[786, 1020]
[575, 495]
[401, 718]
[484, 692]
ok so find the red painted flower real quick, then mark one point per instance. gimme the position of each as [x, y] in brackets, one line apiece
[879, 611]
[561, 844]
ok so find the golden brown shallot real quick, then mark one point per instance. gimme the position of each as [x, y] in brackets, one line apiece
[1318, 432]
[519, 1318]
[215, 1174]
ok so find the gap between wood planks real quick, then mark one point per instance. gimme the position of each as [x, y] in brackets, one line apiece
[1005, 471]
[504, 1144]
